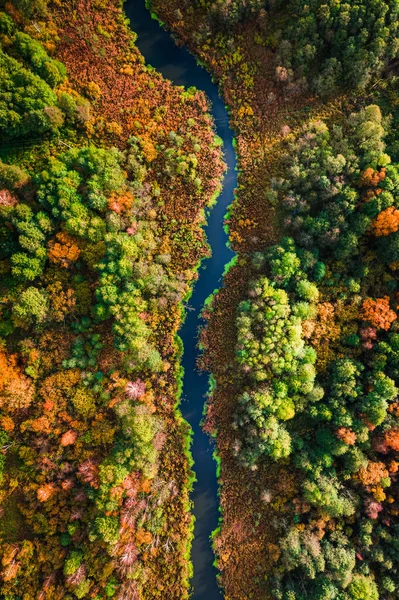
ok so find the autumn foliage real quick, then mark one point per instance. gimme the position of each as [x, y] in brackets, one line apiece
[120, 202]
[389, 441]
[378, 312]
[63, 250]
[346, 435]
[386, 222]
[7, 198]
[372, 178]
[373, 473]
[16, 390]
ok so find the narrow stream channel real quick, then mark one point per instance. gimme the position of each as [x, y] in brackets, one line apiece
[178, 65]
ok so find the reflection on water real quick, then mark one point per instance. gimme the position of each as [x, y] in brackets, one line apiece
[178, 65]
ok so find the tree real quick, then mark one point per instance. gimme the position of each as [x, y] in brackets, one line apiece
[372, 178]
[271, 351]
[26, 267]
[386, 222]
[26, 8]
[23, 113]
[135, 389]
[363, 588]
[16, 389]
[340, 559]
[326, 494]
[388, 247]
[302, 549]
[308, 291]
[12, 176]
[69, 438]
[378, 312]
[373, 473]
[319, 191]
[63, 250]
[390, 441]
[52, 71]
[346, 435]
[46, 492]
[31, 308]
[375, 404]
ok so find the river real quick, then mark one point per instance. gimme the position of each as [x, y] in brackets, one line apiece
[178, 65]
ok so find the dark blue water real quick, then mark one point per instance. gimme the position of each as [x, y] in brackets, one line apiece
[178, 65]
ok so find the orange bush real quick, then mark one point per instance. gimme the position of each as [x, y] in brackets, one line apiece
[346, 435]
[63, 251]
[69, 438]
[378, 312]
[372, 178]
[16, 390]
[386, 222]
[120, 203]
[40, 425]
[391, 439]
[143, 537]
[373, 473]
[45, 492]
[7, 198]
[393, 408]
[7, 423]
[326, 326]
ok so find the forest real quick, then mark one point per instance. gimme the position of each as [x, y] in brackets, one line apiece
[106, 172]
[94, 465]
[324, 391]
[302, 338]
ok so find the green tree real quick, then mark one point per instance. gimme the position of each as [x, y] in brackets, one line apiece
[363, 588]
[32, 52]
[31, 308]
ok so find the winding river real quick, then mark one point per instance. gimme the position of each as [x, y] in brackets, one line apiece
[178, 65]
